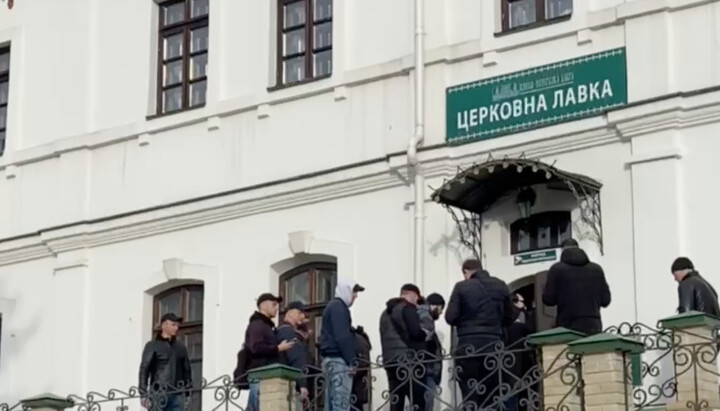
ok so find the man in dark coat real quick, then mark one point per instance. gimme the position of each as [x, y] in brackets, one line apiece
[165, 368]
[479, 309]
[261, 345]
[361, 380]
[694, 292]
[430, 309]
[337, 345]
[299, 355]
[578, 288]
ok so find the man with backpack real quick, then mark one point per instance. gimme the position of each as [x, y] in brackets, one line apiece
[260, 347]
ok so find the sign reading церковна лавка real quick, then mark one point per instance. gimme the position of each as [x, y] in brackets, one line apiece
[555, 93]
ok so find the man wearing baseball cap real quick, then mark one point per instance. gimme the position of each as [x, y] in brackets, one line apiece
[261, 347]
[165, 366]
[293, 317]
[694, 292]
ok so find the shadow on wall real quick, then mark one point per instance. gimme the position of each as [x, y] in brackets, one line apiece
[452, 244]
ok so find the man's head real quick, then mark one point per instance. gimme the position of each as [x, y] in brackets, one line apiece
[681, 267]
[437, 305]
[410, 293]
[347, 291]
[519, 301]
[294, 314]
[470, 267]
[569, 243]
[268, 304]
[169, 324]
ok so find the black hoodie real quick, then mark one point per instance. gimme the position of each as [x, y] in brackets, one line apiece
[393, 346]
[578, 288]
[260, 343]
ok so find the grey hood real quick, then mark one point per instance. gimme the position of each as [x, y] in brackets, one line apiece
[344, 290]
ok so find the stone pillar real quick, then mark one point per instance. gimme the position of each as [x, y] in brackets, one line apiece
[606, 371]
[277, 386]
[554, 349]
[46, 402]
[695, 346]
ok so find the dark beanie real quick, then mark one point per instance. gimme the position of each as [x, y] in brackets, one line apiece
[435, 299]
[682, 263]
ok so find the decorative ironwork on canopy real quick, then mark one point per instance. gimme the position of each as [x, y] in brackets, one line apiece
[475, 190]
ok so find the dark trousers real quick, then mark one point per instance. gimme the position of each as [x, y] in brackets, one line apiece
[406, 382]
[478, 372]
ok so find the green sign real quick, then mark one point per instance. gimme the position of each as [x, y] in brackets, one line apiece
[538, 97]
[535, 257]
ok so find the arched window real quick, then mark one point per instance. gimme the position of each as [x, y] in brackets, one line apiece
[187, 302]
[312, 284]
[540, 231]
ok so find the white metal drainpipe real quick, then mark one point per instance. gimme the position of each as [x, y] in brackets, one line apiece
[415, 141]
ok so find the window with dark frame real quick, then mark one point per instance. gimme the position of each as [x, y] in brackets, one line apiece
[540, 231]
[4, 92]
[304, 40]
[187, 302]
[520, 13]
[182, 55]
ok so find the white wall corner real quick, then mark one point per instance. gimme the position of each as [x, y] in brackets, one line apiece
[490, 58]
[340, 93]
[11, 172]
[584, 36]
[173, 269]
[300, 242]
[71, 259]
[213, 123]
[263, 111]
[659, 154]
[144, 139]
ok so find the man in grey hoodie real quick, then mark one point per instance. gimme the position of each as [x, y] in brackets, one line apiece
[337, 345]
[430, 309]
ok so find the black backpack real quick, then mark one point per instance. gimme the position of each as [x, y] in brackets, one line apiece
[241, 370]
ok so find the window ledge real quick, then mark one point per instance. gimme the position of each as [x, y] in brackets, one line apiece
[531, 26]
[170, 113]
[298, 83]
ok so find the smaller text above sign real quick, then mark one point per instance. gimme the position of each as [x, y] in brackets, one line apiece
[541, 96]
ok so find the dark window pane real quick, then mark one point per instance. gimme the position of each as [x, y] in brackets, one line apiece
[294, 69]
[297, 288]
[4, 92]
[169, 304]
[196, 367]
[2, 142]
[558, 8]
[294, 42]
[172, 100]
[318, 328]
[523, 241]
[522, 12]
[174, 13]
[199, 39]
[294, 14]
[194, 345]
[4, 62]
[173, 73]
[173, 46]
[544, 236]
[324, 286]
[322, 9]
[198, 66]
[323, 63]
[197, 93]
[564, 231]
[200, 8]
[195, 305]
[323, 35]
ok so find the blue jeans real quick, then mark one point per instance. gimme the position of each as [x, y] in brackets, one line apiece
[254, 397]
[174, 403]
[338, 383]
[430, 393]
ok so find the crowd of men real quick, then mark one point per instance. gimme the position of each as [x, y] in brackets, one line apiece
[480, 309]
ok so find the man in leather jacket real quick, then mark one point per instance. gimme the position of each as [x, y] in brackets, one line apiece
[694, 292]
[165, 373]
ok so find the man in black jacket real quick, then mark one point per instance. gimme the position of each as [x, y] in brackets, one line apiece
[406, 368]
[578, 288]
[165, 368]
[479, 308]
[299, 355]
[260, 344]
[694, 292]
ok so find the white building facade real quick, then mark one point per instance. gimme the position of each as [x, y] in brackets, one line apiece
[190, 155]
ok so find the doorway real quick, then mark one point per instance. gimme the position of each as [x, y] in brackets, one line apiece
[539, 316]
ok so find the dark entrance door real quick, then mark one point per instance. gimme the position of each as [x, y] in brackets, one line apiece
[541, 317]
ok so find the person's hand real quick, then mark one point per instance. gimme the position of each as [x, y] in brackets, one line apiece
[304, 393]
[352, 371]
[285, 345]
[145, 402]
